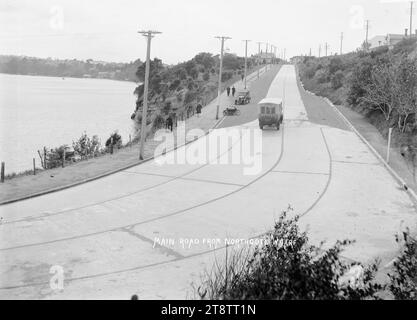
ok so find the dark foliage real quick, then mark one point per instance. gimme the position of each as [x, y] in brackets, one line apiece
[403, 284]
[287, 267]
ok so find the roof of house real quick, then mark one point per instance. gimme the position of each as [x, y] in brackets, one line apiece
[395, 36]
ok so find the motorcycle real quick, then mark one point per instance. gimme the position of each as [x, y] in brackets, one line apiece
[231, 111]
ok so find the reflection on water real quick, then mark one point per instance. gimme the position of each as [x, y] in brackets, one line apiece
[47, 111]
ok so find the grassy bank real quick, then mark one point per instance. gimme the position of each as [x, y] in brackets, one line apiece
[380, 84]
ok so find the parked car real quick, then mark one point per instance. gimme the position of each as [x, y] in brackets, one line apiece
[270, 113]
[243, 97]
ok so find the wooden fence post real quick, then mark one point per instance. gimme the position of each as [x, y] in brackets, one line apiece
[130, 140]
[44, 158]
[34, 167]
[2, 172]
[63, 159]
[389, 144]
[111, 145]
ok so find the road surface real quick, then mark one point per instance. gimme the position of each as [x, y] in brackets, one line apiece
[126, 234]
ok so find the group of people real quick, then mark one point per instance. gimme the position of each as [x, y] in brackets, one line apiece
[233, 91]
[169, 122]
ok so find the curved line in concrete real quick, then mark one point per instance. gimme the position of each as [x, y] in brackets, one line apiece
[175, 213]
[157, 264]
[133, 225]
[124, 195]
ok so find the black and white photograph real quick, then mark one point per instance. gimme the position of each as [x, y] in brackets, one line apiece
[198, 152]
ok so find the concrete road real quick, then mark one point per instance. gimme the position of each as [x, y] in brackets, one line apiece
[149, 230]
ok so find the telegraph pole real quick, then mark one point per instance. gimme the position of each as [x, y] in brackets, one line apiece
[341, 44]
[266, 56]
[367, 35]
[326, 46]
[320, 51]
[259, 55]
[246, 60]
[149, 35]
[411, 18]
[219, 92]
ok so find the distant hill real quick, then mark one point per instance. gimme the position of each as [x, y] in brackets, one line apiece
[23, 65]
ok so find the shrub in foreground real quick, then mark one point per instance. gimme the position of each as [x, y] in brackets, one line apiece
[403, 284]
[287, 267]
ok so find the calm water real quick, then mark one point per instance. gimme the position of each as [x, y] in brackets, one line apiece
[46, 111]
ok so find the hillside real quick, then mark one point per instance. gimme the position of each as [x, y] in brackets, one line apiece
[380, 84]
[176, 90]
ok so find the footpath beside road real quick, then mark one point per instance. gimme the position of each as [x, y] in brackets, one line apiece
[50, 180]
[153, 230]
[380, 144]
[320, 111]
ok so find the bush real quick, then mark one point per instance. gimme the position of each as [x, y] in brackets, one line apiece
[115, 140]
[337, 80]
[54, 157]
[86, 146]
[403, 284]
[206, 77]
[158, 122]
[335, 65]
[287, 267]
[321, 76]
[189, 97]
[174, 85]
[227, 75]
[194, 73]
[360, 78]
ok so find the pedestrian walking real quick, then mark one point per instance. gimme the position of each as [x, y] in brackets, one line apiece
[199, 108]
[169, 123]
[228, 91]
[233, 91]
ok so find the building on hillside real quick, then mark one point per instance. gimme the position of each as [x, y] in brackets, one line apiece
[377, 41]
[392, 39]
[389, 40]
[264, 57]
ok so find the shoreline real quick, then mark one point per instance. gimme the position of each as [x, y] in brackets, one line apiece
[70, 77]
[22, 186]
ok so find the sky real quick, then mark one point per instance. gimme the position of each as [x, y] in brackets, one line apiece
[108, 29]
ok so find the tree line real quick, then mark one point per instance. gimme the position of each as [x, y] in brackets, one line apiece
[68, 68]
